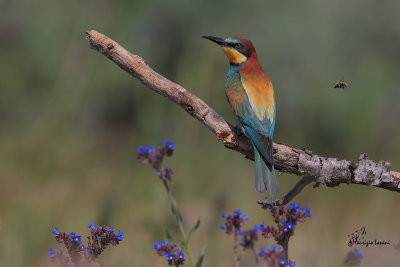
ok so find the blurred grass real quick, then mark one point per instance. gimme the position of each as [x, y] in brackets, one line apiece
[71, 121]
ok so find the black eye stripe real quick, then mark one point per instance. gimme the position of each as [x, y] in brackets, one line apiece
[241, 48]
[236, 45]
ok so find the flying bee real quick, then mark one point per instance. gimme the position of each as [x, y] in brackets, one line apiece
[341, 84]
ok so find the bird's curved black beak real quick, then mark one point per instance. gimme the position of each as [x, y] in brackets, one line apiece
[217, 40]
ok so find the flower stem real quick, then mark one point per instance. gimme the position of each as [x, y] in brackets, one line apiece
[185, 244]
[255, 255]
[236, 249]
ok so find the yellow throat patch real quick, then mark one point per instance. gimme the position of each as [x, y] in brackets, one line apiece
[234, 56]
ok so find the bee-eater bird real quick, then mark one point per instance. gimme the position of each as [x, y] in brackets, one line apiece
[251, 95]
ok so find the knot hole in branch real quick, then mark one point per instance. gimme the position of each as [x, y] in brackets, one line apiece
[110, 46]
[188, 108]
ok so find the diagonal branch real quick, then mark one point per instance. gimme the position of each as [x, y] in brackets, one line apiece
[330, 171]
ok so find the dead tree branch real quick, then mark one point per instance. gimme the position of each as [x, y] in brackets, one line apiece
[330, 171]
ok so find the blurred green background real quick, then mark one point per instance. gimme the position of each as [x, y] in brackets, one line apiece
[71, 123]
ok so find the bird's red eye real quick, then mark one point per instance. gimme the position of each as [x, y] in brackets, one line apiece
[238, 45]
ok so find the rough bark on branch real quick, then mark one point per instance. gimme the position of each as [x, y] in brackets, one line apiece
[330, 171]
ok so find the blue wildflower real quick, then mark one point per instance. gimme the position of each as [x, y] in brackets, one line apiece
[72, 234]
[262, 226]
[287, 226]
[282, 261]
[164, 242]
[307, 211]
[262, 251]
[170, 257]
[255, 228]
[77, 238]
[156, 245]
[112, 230]
[159, 173]
[54, 232]
[166, 254]
[295, 206]
[120, 235]
[91, 225]
[169, 144]
[222, 227]
[84, 248]
[358, 253]
[181, 256]
[51, 252]
[285, 229]
[237, 213]
[143, 149]
[245, 217]
[223, 215]
[240, 232]
[151, 149]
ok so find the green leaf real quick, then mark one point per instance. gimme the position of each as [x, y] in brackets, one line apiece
[193, 229]
[201, 256]
[176, 211]
[169, 237]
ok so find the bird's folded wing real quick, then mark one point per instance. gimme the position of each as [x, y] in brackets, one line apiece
[257, 119]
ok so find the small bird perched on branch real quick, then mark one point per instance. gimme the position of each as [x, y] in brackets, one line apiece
[251, 95]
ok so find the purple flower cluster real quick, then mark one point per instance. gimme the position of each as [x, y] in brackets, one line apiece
[353, 258]
[72, 243]
[357, 253]
[101, 237]
[286, 218]
[274, 256]
[51, 252]
[153, 156]
[233, 222]
[250, 236]
[233, 225]
[165, 174]
[170, 251]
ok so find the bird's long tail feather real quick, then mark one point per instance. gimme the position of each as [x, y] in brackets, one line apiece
[265, 175]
